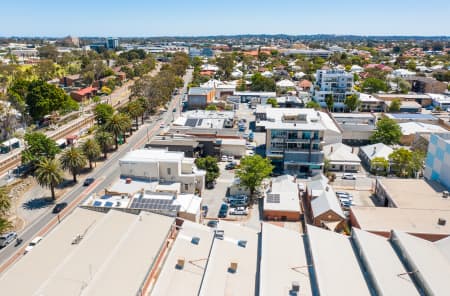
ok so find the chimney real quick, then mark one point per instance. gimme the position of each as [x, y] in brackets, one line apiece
[331, 149]
[353, 149]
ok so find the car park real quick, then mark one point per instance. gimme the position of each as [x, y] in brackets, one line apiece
[32, 244]
[7, 238]
[59, 207]
[205, 210]
[88, 181]
[348, 176]
[239, 211]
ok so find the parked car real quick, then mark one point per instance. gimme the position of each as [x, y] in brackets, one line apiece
[59, 207]
[250, 152]
[224, 158]
[212, 223]
[239, 211]
[344, 195]
[32, 244]
[238, 203]
[348, 176]
[241, 197]
[7, 238]
[88, 181]
[162, 125]
[210, 185]
[231, 166]
[230, 158]
[205, 210]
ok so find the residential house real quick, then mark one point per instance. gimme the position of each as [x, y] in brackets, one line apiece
[422, 85]
[84, 93]
[282, 200]
[342, 158]
[369, 152]
[71, 80]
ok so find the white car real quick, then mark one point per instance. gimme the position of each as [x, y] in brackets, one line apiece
[250, 152]
[224, 158]
[32, 244]
[230, 158]
[162, 125]
[239, 211]
[348, 176]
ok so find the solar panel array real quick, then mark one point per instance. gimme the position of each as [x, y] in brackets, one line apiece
[155, 204]
[192, 122]
[273, 198]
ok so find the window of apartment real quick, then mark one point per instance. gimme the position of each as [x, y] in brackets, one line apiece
[293, 135]
[306, 135]
[278, 134]
[169, 171]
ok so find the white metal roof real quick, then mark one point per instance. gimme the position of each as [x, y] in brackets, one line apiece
[377, 150]
[283, 261]
[335, 265]
[151, 155]
[410, 128]
[340, 152]
[285, 188]
[326, 201]
[430, 265]
[383, 264]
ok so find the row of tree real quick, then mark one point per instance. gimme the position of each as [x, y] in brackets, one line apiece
[402, 162]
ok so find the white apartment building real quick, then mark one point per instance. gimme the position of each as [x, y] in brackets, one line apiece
[163, 166]
[336, 83]
[295, 138]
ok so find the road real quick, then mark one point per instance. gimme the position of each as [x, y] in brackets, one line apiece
[104, 175]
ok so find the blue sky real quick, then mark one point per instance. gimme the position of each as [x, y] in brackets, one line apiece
[181, 17]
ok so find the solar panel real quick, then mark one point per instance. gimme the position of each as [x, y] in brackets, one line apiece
[97, 203]
[273, 198]
[192, 122]
[108, 204]
[155, 204]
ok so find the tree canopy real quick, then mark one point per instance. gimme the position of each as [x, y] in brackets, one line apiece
[38, 146]
[209, 164]
[103, 112]
[374, 85]
[352, 102]
[253, 170]
[261, 83]
[273, 102]
[387, 132]
[395, 105]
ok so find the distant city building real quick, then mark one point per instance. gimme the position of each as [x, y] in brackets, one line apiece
[335, 83]
[112, 43]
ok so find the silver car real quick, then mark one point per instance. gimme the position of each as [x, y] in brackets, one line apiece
[7, 238]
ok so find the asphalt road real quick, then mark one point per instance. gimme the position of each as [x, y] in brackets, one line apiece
[108, 173]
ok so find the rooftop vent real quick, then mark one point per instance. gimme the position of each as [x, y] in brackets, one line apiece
[442, 221]
[219, 234]
[195, 240]
[180, 263]
[233, 267]
[445, 194]
[242, 243]
[295, 287]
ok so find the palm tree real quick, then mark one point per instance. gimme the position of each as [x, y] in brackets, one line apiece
[105, 140]
[135, 109]
[118, 124]
[146, 105]
[49, 174]
[91, 149]
[5, 202]
[5, 225]
[73, 160]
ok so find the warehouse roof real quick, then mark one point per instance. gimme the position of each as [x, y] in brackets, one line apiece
[336, 267]
[283, 261]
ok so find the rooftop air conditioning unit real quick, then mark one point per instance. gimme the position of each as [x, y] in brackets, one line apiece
[444, 194]
[180, 263]
[219, 234]
[233, 267]
[242, 243]
[442, 221]
[195, 240]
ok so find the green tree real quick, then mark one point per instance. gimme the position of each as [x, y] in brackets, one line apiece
[105, 141]
[225, 63]
[417, 162]
[329, 100]
[38, 146]
[374, 85]
[117, 125]
[387, 132]
[404, 86]
[400, 162]
[73, 160]
[103, 113]
[5, 225]
[352, 102]
[91, 149]
[411, 65]
[45, 70]
[211, 107]
[253, 170]
[273, 102]
[5, 202]
[313, 105]
[136, 110]
[379, 166]
[49, 174]
[209, 164]
[395, 106]
[261, 83]
[48, 52]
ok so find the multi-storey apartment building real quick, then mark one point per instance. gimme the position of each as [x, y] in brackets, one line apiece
[335, 83]
[295, 138]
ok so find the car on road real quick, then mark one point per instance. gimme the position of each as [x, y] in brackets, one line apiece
[224, 158]
[239, 211]
[59, 207]
[7, 238]
[231, 166]
[32, 244]
[205, 210]
[212, 223]
[348, 176]
[88, 181]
